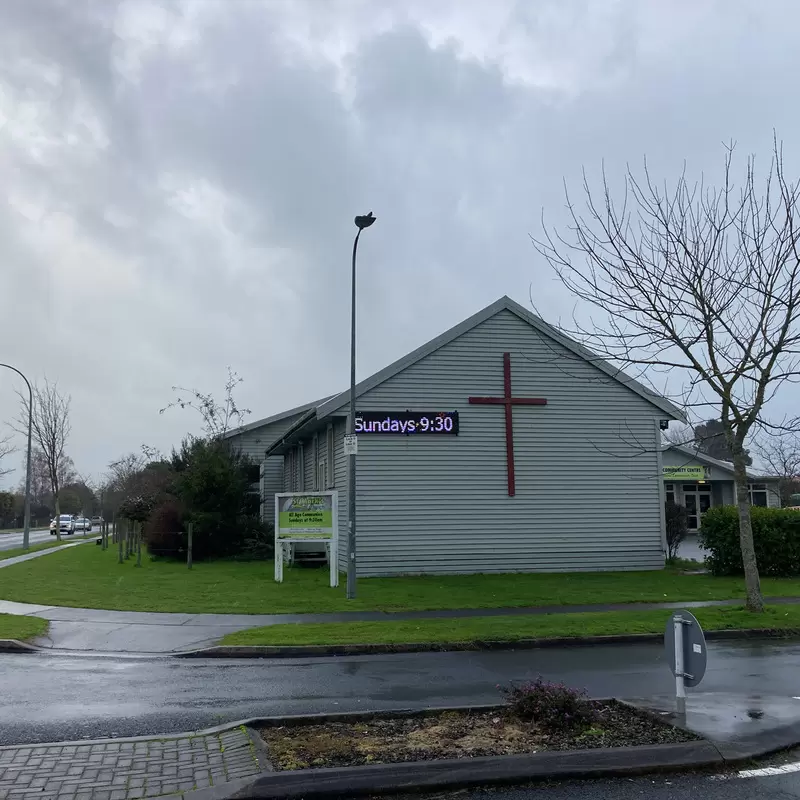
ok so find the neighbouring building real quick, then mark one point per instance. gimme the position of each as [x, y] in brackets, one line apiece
[501, 445]
[699, 482]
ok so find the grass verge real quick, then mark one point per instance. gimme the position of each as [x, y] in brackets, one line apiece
[22, 628]
[18, 551]
[89, 577]
[511, 628]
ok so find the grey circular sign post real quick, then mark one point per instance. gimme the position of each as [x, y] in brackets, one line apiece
[685, 647]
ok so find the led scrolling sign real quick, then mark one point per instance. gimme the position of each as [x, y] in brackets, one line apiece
[407, 423]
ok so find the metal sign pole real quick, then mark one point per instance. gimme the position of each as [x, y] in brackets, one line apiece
[680, 686]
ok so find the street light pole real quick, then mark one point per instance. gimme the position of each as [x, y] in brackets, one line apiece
[26, 535]
[361, 223]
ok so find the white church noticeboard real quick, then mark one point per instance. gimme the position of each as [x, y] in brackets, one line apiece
[307, 517]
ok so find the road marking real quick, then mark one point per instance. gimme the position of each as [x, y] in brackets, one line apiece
[786, 769]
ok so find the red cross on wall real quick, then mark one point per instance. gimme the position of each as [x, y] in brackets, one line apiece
[509, 402]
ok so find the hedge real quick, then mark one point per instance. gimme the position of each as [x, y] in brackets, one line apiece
[776, 536]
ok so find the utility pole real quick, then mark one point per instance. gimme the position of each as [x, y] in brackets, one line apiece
[361, 223]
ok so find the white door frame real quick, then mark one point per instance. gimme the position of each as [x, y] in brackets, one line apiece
[697, 491]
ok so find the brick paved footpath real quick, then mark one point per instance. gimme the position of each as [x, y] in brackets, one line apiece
[124, 769]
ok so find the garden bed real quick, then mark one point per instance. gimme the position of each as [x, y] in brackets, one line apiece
[387, 739]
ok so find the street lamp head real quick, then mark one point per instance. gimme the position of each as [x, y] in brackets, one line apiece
[365, 221]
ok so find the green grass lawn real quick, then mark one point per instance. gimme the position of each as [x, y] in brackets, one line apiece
[90, 578]
[18, 551]
[511, 628]
[22, 628]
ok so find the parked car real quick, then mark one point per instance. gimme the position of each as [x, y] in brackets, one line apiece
[97, 520]
[66, 524]
[83, 524]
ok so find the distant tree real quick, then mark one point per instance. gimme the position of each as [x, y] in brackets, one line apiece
[143, 473]
[699, 282]
[86, 499]
[69, 501]
[780, 456]
[6, 509]
[709, 438]
[51, 429]
[217, 418]
[41, 490]
[679, 434]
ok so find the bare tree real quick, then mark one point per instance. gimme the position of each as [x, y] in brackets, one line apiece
[699, 282]
[41, 489]
[780, 456]
[51, 429]
[218, 418]
[6, 449]
[679, 434]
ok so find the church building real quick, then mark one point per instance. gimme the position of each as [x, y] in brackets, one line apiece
[499, 446]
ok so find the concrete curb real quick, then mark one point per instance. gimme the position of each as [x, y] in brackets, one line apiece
[461, 773]
[15, 646]
[306, 651]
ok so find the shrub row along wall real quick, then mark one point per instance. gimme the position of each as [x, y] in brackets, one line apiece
[776, 535]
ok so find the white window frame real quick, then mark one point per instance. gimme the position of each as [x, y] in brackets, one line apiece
[758, 488]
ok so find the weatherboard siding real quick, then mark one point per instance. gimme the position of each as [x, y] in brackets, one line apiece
[271, 484]
[587, 466]
[254, 443]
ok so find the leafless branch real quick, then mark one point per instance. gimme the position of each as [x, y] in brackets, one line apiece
[701, 281]
[51, 428]
[218, 418]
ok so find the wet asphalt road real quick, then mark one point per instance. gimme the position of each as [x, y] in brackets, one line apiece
[48, 697]
[11, 541]
[668, 787]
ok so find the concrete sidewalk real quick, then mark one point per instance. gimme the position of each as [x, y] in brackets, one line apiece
[96, 630]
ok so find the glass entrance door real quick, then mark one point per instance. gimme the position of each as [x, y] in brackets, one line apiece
[697, 498]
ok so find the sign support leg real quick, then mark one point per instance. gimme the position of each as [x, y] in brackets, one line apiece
[680, 687]
[279, 561]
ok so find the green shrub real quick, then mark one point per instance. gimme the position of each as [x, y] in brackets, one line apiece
[677, 527]
[212, 481]
[776, 536]
[163, 531]
[553, 707]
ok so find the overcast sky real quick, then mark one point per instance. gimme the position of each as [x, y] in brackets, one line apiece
[181, 178]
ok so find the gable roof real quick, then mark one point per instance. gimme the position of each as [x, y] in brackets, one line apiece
[710, 461]
[275, 417]
[333, 404]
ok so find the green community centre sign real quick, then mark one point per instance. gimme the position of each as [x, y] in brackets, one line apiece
[687, 472]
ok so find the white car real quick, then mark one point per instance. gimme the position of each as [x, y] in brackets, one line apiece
[66, 524]
[83, 524]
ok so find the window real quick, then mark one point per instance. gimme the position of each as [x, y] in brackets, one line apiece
[669, 489]
[758, 494]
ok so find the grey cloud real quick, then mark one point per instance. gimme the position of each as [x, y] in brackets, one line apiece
[455, 155]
